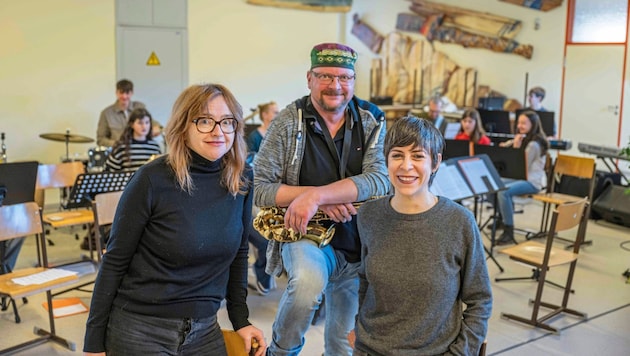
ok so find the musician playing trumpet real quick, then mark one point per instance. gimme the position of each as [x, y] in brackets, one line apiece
[322, 152]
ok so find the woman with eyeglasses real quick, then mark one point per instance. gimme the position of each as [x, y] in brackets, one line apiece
[178, 245]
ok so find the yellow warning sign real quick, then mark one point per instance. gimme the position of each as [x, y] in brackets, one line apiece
[153, 60]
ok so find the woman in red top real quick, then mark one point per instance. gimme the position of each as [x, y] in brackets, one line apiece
[471, 129]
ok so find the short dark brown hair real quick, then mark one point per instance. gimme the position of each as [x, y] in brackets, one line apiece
[124, 86]
[538, 91]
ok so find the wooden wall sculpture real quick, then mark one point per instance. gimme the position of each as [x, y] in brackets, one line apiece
[469, 28]
[412, 71]
[310, 5]
[367, 34]
[543, 5]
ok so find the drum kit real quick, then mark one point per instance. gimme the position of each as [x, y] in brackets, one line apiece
[97, 156]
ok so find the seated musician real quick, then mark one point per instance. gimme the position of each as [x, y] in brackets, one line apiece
[471, 128]
[530, 137]
[135, 146]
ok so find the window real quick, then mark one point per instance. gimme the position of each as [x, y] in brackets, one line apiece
[598, 21]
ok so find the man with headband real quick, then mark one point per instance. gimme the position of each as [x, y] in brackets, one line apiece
[323, 152]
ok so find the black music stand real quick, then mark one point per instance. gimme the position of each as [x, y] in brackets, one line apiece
[511, 164]
[496, 121]
[85, 188]
[19, 180]
[17, 185]
[457, 148]
[87, 185]
[466, 177]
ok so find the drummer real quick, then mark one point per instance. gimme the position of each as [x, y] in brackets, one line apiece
[114, 118]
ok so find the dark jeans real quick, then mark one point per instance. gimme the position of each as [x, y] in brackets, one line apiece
[10, 251]
[135, 334]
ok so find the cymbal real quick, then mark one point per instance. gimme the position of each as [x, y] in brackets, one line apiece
[61, 137]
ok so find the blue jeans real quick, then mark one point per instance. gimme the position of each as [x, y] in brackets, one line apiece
[313, 271]
[260, 243]
[136, 334]
[506, 207]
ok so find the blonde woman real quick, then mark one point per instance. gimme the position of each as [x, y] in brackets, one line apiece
[178, 245]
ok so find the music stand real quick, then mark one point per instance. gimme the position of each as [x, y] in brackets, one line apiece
[457, 148]
[496, 121]
[466, 177]
[547, 120]
[87, 185]
[17, 185]
[509, 162]
[19, 180]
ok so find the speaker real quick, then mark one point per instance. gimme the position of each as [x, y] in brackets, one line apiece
[614, 205]
[579, 186]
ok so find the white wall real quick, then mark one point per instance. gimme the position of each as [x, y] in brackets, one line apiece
[57, 58]
[57, 71]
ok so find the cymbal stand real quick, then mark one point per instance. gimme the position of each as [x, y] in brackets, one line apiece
[67, 149]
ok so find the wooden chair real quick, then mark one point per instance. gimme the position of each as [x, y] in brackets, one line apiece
[572, 166]
[17, 221]
[234, 344]
[104, 208]
[545, 256]
[482, 349]
[62, 175]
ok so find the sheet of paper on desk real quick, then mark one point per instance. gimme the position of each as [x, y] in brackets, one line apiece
[43, 277]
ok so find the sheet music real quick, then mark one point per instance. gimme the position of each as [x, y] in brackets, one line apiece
[43, 277]
[474, 170]
[452, 128]
[448, 182]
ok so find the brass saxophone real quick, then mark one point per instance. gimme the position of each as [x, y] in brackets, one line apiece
[269, 222]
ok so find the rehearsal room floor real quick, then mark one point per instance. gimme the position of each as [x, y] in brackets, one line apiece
[601, 291]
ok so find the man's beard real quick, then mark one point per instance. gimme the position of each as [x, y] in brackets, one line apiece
[332, 109]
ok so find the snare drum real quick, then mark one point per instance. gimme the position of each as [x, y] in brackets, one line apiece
[97, 156]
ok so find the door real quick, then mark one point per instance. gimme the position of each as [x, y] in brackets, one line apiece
[155, 60]
[592, 95]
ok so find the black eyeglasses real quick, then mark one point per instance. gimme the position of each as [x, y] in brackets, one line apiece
[207, 125]
[326, 79]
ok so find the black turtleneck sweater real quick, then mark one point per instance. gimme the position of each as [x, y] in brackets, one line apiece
[172, 254]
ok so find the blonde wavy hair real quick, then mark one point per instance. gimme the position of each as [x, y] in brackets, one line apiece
[190, 104]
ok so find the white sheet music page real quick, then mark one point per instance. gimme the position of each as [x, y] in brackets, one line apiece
[43, 277]
[474, 170]
[448, 182]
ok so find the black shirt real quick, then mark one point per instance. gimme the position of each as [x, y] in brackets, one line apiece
[324, 163]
